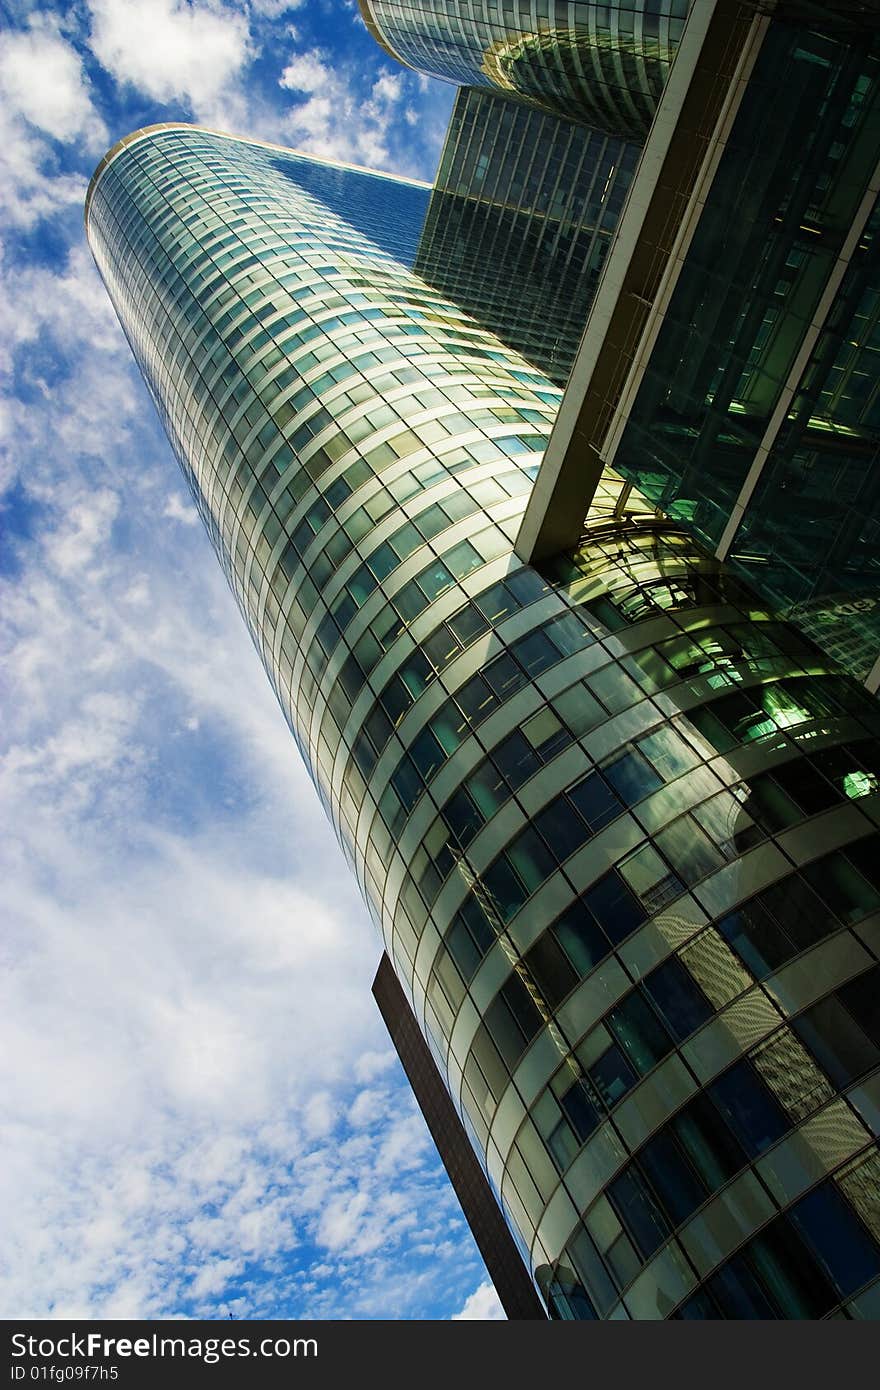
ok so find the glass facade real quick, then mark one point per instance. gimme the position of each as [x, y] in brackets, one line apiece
[757, 422]
[520, 220]
[616, 824]
[604, 64]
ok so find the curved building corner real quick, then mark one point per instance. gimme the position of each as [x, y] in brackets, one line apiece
[605, 64]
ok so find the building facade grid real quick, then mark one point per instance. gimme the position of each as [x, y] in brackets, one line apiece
[538, 199]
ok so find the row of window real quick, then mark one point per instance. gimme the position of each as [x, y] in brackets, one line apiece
[615, 687]
[669, 1004]
[694, 1154]
[726, 824]
[800, 1266]
[736, 1119]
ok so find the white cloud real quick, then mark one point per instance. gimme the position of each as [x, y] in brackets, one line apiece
[69, 306]
[34, 188]
[366, 1109]
[177, 1030]
[319, 1114]
[274, 9]
[373, 1064]
[42, 80]
[305, 73]
[31, 188]
[87, 525]
[45, 105]
[179, 509]
[171, 50]
[58, 330]
[483, 1305]
[389, 87]
[343, 116]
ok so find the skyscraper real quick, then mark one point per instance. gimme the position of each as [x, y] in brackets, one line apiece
[616, 824]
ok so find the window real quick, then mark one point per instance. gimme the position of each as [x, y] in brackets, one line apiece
[707, 1141]
[505, 889]
[581, 1108]
[546, 735]
[476, 700]
[612, 1075]
[862, 998]
[650, 878]
[750, 1109]
[806, 787]
[614, 907]
[529, 856]
[427, 754]
[791, 1276]
[689, 850]
[504, 677]
[587, 1262]
[739, 1293]
[639, 1214]
[758, 940]
[796, 907]
[463, 559]
[512, 1020]
[632, 777]
[488, 789]
[535, 653]
[550, 968]
[435, 580]
[847, 892]
[842, 1246]
[516, 760]
[595, 801]
[467, 624]
[841, 1047]
[581, 938]
[669, 753]
[462, 817]
[671, 1177]
[563, 831]
[639, 1032]
[677, 998]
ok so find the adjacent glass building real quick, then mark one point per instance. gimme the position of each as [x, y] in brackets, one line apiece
[616, 824]
[520, 221]
[603, 64]
[753, 413]
[758, 418]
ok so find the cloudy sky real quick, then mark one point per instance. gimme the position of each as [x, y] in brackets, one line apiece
[201, 1112]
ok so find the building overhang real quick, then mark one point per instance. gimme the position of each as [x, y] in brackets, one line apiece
[720, 42]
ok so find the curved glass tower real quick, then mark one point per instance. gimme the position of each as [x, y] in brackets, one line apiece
[603, 64]
[616, 825]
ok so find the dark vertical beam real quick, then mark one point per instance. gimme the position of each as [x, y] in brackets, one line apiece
[482, 1213]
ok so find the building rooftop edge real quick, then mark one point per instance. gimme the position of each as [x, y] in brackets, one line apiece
[145, 131]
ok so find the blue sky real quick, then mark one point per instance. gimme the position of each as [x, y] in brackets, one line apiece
[201, 1111]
